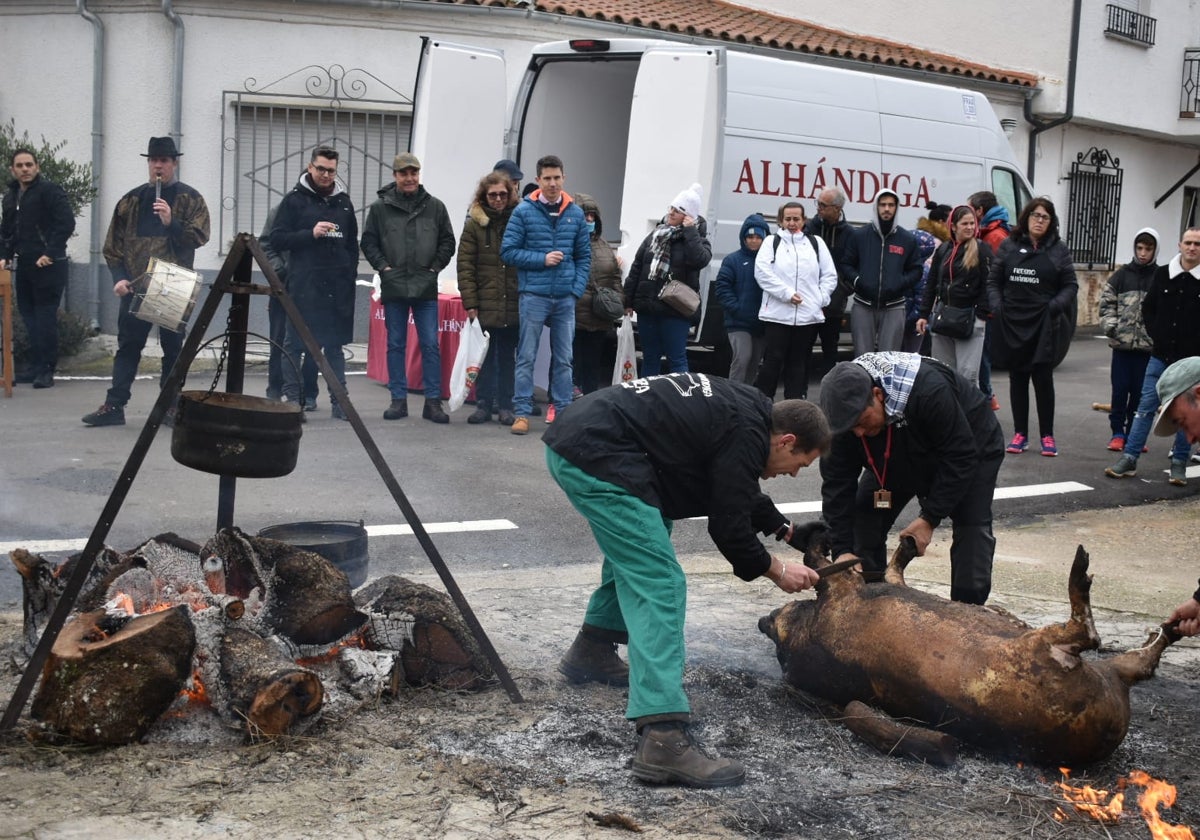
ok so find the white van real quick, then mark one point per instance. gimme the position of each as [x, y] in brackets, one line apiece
[637, 121]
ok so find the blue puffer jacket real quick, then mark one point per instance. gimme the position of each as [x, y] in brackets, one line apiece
[532, 233]
[735, 287]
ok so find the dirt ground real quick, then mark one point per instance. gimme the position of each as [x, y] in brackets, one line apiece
[442, 765]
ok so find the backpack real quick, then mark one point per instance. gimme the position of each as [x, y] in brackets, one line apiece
[812, 240]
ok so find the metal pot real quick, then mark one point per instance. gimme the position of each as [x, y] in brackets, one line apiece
[236, 434]
[344, 544]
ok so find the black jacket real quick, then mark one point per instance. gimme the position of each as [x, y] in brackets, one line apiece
[689, 445]
[1030, 291]
[886, 269]
[43, 224]
[1172, 312]
[836, 238]
[690, 253]
[947, 430]
[955, 285]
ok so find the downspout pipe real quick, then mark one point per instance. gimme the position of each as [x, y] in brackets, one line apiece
[1039, 125]
[168, 10]
[97, 236]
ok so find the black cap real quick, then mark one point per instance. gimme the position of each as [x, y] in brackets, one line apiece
[509, 168]
[845, 394]
[162, 147]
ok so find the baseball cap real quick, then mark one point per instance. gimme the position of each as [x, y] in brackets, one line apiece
[406, 160]
[509, 168]
[845, 395]
[1177, 379]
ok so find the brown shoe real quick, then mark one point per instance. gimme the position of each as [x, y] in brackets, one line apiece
[668, 754]
[520, 426]
[592, 660]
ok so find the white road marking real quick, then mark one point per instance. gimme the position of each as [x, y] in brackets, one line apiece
[57, 546]
[1023, 491]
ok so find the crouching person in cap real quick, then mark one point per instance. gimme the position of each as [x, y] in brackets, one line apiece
[905, 426]
[634, 458]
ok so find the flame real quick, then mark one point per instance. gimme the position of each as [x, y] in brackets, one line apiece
[195, 692]
[1098, 805]
[358, 640]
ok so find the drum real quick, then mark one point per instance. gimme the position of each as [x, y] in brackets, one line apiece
[166, 295]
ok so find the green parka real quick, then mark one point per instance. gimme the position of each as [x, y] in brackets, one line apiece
[408, 240]
[484, 281]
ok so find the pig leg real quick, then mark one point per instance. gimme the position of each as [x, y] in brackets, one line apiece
[901, 557]
[1078, 634]
[1136, 665]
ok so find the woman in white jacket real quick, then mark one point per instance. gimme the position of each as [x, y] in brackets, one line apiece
[797, 276]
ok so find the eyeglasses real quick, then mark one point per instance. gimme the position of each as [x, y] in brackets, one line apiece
[324, 170]
[497, 195]
[821, 205]
[1040, 217]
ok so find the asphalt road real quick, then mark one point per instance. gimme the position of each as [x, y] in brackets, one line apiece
[483, 493]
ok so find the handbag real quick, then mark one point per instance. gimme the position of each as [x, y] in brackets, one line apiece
[681, 297]
[953, 321]
[472, 348]
[608, 304]
[625, 369]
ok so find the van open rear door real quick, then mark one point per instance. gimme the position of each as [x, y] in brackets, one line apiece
[674, 135]
[459, 111]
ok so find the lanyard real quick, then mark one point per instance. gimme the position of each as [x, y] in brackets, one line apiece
[881, 477]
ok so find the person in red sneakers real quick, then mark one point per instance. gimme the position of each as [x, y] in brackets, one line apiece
[1121, 320]
[1031, 289]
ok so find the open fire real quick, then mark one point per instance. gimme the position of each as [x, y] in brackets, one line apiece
[1109, 808]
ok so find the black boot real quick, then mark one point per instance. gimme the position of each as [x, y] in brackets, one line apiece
[481, 414]
[592, 657]
[45, 379]
[397, 410]
[668, 754]
[433, 411]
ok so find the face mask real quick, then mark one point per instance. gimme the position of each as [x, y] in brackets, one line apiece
[591, 227]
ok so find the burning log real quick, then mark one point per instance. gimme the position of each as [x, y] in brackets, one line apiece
[307, 598]
[436, 648]
[973, 672]
[266, 689]
[109, 687]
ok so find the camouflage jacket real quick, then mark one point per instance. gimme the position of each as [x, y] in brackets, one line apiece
[1121, 307]
[135, 233]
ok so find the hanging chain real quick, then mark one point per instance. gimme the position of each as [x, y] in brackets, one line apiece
[223, 356]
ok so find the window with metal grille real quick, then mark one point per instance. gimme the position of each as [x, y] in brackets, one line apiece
[270, 134]
[1128, 24]
[1095, 207]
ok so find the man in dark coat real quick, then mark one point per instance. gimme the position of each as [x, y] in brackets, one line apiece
[906, 426]
[885, 263]
[163, 218]
[829, 223]
[36, 224]
[631, 459]
[317, 227]
[408, 239]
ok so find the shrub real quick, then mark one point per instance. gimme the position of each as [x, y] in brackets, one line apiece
[75, 178]
[73, 332]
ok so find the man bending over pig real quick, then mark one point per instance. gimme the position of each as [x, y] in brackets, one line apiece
[636, 457]
[905, 426]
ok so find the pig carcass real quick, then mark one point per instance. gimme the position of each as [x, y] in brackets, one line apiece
[975, 672]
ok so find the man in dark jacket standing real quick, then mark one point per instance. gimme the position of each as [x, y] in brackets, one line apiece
[635, 457]
[408, 239]
[547, 240]
[1171, 312]
[904, 426]
[163, 218]
[740, 298]
[317, 227]
[830, 224]
[36, 224]
[885, 263]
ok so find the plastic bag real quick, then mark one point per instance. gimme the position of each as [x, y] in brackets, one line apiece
[625, 370]
[472, 348]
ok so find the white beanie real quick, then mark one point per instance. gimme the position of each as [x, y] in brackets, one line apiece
[689, 201]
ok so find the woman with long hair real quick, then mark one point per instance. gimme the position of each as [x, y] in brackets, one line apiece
[1031, 287]
[958, 273]
[489, 293]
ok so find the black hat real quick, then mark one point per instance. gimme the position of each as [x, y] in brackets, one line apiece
[845, 395]
[509, 168]
[162, 147]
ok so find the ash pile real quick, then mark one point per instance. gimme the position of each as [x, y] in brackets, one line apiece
[243, 637]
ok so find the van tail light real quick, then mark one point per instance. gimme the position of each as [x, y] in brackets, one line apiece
[588, 45]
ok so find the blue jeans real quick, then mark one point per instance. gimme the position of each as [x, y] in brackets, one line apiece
[1144, 419]
[425, 317]
[1127, 373]
[536, 312]
[663, 335]
[494, 388]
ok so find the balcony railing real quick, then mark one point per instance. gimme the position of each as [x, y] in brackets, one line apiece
[1189, 90]
[1130, 25]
